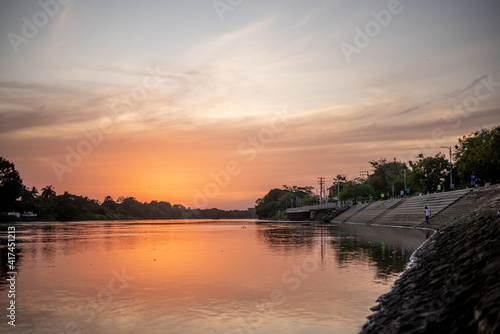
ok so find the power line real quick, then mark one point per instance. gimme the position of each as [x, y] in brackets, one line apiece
[363, 172]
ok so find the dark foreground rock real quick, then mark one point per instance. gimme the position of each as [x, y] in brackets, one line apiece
[452, 284]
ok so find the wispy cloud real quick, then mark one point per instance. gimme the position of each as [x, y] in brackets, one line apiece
[470, 85]
[62, 27]
[24, 85]
[228, 40]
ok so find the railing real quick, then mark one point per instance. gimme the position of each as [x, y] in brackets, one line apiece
[313, 207]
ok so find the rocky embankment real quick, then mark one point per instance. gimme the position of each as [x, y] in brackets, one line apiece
[452, 284]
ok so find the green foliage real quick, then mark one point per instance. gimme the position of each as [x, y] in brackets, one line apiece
[48, 192]
[6, 218]
[479, 153]
[337, 184]
[385, 175]
[68, 207]
[11, 185]
[299, 191]
[280, 199]
[357, 190]
[280, 215]
[428, 173]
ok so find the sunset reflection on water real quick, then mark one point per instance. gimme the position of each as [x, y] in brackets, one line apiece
[203, 276]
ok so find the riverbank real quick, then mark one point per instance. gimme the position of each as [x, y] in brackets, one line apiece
[452, 284]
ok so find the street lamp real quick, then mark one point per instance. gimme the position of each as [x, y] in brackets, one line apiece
[451, 173]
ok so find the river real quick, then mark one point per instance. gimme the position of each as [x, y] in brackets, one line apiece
[177, 276]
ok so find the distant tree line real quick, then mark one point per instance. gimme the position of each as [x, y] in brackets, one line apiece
[15, 196]
[477, 154]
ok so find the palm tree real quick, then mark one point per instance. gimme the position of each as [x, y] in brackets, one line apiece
[48, 192]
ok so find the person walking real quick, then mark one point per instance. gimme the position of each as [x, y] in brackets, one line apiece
[427, 214]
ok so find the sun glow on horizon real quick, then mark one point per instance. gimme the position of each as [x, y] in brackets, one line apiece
[155, 98]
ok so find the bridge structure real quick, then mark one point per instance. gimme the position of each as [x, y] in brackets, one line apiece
[307, 212]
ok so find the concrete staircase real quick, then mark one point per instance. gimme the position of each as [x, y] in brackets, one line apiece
[474, 199]
[344, 216]
[365, 213]
[403, 212]
[375, 210]
[412, 211]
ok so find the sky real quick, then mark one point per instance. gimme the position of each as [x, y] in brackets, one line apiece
[213, 103]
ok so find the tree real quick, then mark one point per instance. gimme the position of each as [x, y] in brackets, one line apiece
[28, 199]
[266, 206]
[337, 185]
[428, 173]
[48, 192]
[479, 153]
[11, 185]
[386, 176]
[299, 190]
[276, 199]
[356, 190]
[110, 204]
[130, 206]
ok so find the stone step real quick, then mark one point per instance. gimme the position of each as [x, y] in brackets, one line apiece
[405, 211]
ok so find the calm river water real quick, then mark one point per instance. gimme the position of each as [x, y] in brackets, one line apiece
[237, 276]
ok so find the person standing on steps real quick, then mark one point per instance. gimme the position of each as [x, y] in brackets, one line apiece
[427, 214]
[473, 180]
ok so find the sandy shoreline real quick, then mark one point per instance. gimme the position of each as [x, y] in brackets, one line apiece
[452, 284]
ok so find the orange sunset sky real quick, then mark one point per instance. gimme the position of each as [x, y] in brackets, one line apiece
[213, 103]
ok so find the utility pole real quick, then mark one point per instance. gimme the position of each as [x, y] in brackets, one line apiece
[363, 172]
[321, 181]
[395, 176]
[405, 181]
[451, 173]
[338, 189]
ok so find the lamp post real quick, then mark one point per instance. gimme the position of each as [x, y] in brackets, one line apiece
[451, 172]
